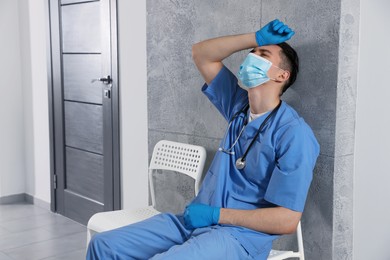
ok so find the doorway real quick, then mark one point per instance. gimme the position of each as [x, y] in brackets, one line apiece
[84, 108]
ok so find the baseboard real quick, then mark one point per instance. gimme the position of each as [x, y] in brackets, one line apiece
[12, 199]
[38, 202]
[23, 197]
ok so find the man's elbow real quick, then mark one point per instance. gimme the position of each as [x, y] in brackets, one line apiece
[291, 228]
[291, 222]
[195, 53]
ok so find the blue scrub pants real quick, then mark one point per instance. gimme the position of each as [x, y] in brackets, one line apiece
[165, 237]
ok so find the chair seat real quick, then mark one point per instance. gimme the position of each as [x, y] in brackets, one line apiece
[105, 221]
[279, 255]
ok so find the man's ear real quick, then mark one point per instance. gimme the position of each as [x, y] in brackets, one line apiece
[283, 76]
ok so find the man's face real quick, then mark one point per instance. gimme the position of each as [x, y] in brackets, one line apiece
[271, 53]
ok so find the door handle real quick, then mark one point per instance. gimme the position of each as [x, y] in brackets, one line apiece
[107, 80]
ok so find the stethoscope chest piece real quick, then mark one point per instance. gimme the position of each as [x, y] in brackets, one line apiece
[240, 164]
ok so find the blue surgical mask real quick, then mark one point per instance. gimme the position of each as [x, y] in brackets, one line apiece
[253, 71]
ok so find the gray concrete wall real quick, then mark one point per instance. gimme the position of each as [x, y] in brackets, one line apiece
[178, 111]
[345, 130]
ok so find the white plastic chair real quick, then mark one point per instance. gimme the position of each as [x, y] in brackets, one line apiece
[280, 255]
[167, 155]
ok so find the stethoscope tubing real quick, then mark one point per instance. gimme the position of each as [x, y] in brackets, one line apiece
[261, 129]
[241, 163]
[229, 150]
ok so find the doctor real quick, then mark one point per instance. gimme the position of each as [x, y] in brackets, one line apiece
[256, 187]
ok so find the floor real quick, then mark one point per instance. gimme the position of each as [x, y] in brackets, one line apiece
[28, 232]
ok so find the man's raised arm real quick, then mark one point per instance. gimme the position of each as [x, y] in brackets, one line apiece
[208, 54]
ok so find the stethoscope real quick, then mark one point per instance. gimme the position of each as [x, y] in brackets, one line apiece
[241, 162]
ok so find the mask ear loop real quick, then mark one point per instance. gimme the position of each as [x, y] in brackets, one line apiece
[278, 81]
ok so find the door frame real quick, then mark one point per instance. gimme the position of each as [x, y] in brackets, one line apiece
[53, 73]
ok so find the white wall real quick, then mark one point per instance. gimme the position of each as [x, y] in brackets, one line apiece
[133, 91]
[35, 92]
[372, 144]
[24, 102]
[24, 138]
[11, 102]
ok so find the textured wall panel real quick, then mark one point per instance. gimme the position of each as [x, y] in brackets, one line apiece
[173, 191]
[345, 130]
[173, 81]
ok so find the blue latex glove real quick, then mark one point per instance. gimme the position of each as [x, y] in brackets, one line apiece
[273, 33]
[200, 215]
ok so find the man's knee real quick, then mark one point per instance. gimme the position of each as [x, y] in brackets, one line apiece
[98, 246]
[96, 239]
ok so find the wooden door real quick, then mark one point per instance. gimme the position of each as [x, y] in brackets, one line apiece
[84, 101]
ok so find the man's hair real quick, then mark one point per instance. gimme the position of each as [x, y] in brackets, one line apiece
[290, 62]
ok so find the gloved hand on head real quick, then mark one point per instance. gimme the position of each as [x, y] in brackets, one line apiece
[273, 33]
[201, 215]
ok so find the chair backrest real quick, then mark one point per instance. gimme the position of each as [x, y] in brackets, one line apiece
[179, 157]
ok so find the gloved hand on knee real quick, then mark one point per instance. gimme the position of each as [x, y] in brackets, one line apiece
[273, 33]
[201, 215]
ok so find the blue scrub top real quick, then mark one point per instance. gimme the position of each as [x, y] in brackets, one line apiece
[279, 166]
